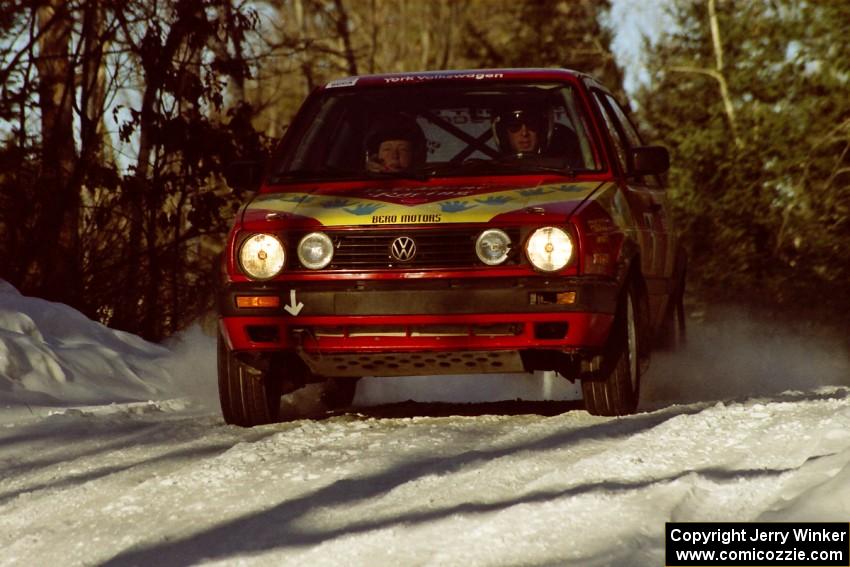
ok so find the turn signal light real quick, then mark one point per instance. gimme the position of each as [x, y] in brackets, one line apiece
[257, 301]
[550, 297]
[566, 298]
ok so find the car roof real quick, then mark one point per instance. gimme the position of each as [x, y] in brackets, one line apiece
[470, 75]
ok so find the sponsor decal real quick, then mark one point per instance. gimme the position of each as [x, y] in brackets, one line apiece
[294, 306]
[406, 219]
[349, 82]
[602, 224]
[420, 195]
[442, 76]
[454, 207]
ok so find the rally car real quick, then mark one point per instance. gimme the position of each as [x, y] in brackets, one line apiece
[451, 222]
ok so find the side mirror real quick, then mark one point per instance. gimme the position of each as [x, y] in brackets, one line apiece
[244, 175]
[650, 160]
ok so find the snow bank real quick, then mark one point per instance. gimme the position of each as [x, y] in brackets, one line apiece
[52, 354]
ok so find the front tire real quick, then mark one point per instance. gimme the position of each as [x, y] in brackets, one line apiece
[248, 395]
[618, 392]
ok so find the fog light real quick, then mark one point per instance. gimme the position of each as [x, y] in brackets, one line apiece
[315, 251]
[493, 246]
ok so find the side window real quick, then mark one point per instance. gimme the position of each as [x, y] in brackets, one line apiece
[629, 130]
[632, 137]
[570, 116]
[616, 139]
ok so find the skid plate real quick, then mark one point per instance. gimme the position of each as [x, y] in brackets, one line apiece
[412, 363]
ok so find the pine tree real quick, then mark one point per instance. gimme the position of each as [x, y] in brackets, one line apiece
[760, 172]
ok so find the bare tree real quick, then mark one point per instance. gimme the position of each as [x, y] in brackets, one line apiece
[717, 73]
[54, 266]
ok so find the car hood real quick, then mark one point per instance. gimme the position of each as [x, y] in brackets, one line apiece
[421, 205]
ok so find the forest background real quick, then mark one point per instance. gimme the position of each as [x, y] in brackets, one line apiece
[118, 119]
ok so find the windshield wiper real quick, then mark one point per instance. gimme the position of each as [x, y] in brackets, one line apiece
[298, 174]
[333, 173]
[476, 165]
[301, 174]
[470, 166]
[422, 174]
[566, 170]
[524, 166]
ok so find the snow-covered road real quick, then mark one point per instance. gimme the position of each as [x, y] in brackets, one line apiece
[167, 484]
[749, 423]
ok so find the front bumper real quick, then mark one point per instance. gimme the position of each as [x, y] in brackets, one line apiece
[419, 316]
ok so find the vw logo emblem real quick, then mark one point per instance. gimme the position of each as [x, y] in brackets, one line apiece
[403, 249]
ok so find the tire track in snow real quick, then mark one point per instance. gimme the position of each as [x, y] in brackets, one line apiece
[354, 489]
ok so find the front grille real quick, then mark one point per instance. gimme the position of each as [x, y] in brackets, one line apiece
[437, 247]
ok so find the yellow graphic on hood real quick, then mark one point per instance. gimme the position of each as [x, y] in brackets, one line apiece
[341, 210]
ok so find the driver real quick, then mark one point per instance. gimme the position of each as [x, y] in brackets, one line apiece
[522, 132]
[395, 143]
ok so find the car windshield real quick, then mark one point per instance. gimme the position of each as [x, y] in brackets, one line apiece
[434, 130]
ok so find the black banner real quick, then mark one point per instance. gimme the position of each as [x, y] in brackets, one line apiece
[761, 544]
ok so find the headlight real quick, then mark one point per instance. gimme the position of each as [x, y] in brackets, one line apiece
[315, 250]
[493, 246]
[262, 256]
[549, 249]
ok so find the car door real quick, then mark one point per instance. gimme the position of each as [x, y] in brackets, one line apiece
[648, 200]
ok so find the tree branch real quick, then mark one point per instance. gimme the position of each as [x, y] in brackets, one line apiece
[721, 79]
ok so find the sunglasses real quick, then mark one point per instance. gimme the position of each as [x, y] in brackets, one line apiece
[514, 127]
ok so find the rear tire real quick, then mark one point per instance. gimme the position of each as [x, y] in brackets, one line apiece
[248, 396]
[618, 392]
[673, 335]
